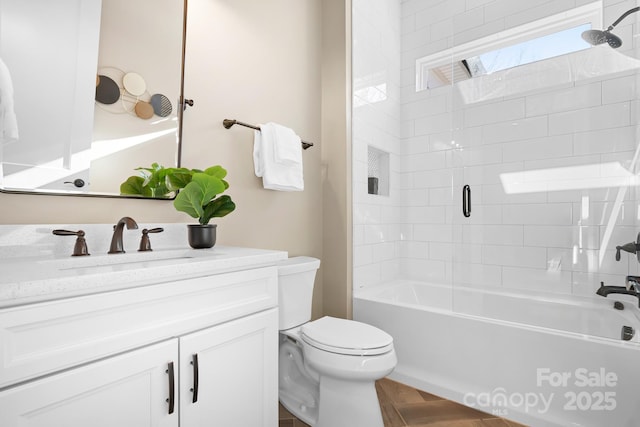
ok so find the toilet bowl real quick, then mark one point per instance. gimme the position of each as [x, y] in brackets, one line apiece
[327, 367]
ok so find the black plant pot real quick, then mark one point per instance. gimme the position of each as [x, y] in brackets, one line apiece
[201, 236]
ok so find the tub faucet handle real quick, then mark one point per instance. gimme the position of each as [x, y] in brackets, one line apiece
[632, 248]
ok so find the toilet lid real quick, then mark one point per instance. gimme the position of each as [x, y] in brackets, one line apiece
[346, 337]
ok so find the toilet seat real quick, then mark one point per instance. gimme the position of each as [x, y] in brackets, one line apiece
[346, 337]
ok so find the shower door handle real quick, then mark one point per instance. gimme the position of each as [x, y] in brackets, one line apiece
[466, 201]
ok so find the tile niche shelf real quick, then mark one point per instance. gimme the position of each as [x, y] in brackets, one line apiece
[378, 172]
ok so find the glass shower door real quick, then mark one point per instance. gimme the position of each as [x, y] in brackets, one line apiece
[548, 147]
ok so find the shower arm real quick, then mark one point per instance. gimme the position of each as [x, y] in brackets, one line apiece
[624, 15]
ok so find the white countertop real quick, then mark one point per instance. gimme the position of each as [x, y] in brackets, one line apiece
[30, 274]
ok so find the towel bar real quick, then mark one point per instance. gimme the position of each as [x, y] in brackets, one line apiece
[227, 123]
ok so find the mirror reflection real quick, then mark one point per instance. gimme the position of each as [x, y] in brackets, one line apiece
[89, 91]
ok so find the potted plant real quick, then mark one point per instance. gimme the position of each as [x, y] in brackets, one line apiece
[198, 194]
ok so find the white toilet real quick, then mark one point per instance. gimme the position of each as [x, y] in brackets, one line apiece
[328, 367]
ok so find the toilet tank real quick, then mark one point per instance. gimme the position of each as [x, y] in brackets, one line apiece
[296, 277]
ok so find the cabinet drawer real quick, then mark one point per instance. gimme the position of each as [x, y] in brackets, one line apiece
[41, 338]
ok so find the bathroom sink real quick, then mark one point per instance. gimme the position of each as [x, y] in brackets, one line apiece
[40, 275]
[37, 266]
[75, 263]
[131, 263]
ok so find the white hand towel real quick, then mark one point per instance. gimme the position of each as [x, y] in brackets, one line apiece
[277, 158]
[286, 144]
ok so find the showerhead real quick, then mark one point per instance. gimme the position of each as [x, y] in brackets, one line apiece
[596, 37]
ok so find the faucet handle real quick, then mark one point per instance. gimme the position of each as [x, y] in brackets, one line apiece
[80, 248]
[632, 248]
[629, 247]
[145, 243]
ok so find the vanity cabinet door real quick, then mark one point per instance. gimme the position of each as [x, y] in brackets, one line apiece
[128, 390]
[233, 368]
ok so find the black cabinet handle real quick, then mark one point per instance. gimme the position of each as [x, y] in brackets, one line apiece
[466, 201]
[172, 390]
[194, 362]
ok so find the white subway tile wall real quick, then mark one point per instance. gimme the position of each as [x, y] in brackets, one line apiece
[550, 241]
[377, 124]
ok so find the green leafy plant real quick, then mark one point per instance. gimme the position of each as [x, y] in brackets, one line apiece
[197, 191]
[157, 181]
[198, 198]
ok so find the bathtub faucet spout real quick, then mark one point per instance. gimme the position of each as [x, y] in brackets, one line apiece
[604, 291]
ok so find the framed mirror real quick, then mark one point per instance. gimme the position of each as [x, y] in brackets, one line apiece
[90, 90]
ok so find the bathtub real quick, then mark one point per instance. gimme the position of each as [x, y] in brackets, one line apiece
[534, 359]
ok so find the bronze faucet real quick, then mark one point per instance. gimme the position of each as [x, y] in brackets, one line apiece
[604, 291]
[116, 241]
[80, 248]
[145, 244]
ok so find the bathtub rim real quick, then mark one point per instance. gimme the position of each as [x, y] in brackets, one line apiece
[365, 294]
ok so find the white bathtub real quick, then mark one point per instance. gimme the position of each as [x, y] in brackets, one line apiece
[537, 360]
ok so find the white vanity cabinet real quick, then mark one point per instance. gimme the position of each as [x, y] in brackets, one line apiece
[237, 374]
[126, 390]
[124, 358]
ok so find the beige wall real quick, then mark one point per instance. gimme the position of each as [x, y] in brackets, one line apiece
[336, 157]
[256, 62]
